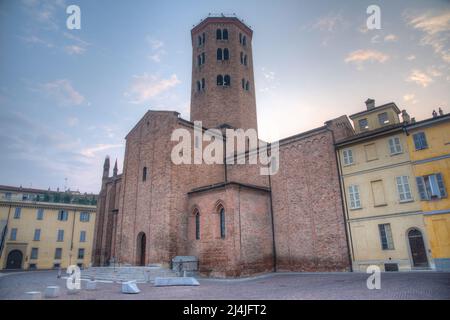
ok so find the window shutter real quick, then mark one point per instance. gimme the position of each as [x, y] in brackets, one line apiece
[422, 189]
[440, 181]
[391, 145]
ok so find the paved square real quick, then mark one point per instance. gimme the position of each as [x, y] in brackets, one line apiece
[394, 286]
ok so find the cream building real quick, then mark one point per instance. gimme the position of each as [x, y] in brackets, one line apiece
[43, 235]
[381, 200]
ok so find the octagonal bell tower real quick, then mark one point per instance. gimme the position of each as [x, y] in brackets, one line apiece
[223, 86]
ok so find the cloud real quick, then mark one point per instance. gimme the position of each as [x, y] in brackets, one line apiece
[359, 57]
[419, 78]
[36, 40]
[72, 121]
[390, 38]
[436, 30]
[45, 12]
[63, 92]
[91, 152]
[157, 48]
[74, 49]
[410, 97]
[330, 22]
[146, 87]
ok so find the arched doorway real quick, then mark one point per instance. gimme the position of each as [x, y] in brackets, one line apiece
[418, 250]
[140, 249]
[14, 260]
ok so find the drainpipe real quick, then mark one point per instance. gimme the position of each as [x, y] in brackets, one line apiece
[274, 246]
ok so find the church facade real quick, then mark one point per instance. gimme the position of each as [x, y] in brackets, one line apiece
[236, 221]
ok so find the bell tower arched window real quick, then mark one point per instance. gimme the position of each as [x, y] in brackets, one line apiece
[220, 80]
[226, 80]
[226, 54]
[144, 174]
[197, 225]
[225, 34]
[219, 54]
[219, 34]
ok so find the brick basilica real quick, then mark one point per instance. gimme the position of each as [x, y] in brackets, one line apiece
[234, 220]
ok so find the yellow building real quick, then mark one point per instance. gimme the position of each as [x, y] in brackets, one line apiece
[381, 200]
[43, 235]
[429, 147]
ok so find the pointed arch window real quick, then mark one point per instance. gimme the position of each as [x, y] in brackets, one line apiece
[226, 80]
[222, 222]
[219, 34]
[144, 174]
[219, 54]
[197, 225]
[220, 80]
[225, 34]
[226, 54]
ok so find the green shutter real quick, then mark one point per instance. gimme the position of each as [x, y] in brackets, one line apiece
[422, 189]
[440, 181]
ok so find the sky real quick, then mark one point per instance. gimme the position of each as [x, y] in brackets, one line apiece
[69, 97]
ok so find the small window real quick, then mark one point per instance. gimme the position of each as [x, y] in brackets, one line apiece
[197, 225]
[8, 195]
[203, 83]
[84, 216]
[420, 141]
[348, 157]
[220, 80]
[244, 40]
[203, 58]
[199, 41]
[203, 38]
[242, 57]
[13, 234]
[226, 54]
[34, 253]
[58, 254]
[363, 124]
[144, 174]
[219, 34]
[222, 223]
[387, 243]
[383, 118]
[198, 86]
[60, 236]
[355, 201]
[225, 34]
[395, 146]
[404, 190]
[40, 214]
[247, 86]
[199, 60]
[32, 266]
[56, 265]
[82, 236]
[226, 80]
[219, 54]
[245, 60]
[80, 253]
[240, 38]
[243, 83]
[63, 215]
[17, 213]
[37, 235]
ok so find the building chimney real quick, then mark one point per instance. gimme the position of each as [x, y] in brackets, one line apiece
[370, 104]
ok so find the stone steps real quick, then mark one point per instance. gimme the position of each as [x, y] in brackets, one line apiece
[121, 274]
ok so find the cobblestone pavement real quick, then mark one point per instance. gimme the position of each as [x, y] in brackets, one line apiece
[394, 286]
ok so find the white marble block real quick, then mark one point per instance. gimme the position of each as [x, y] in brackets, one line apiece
[52, 292]
[130, 287]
